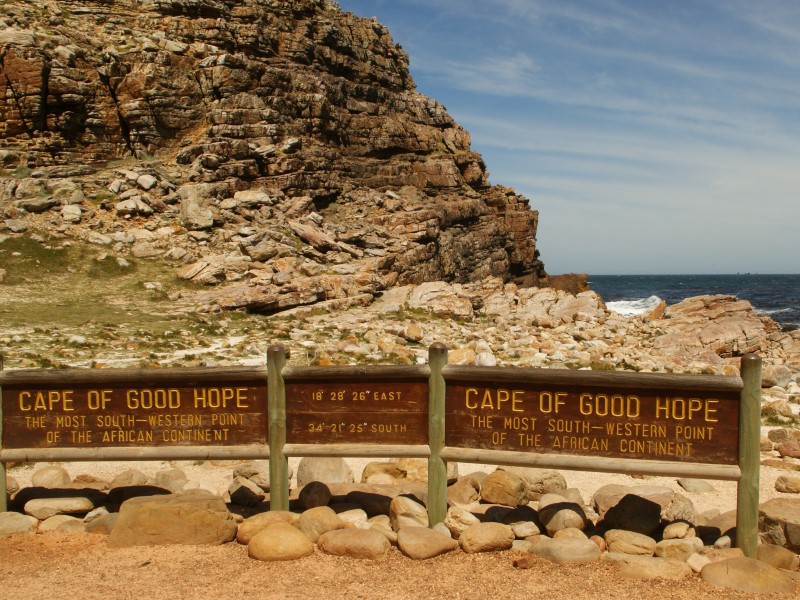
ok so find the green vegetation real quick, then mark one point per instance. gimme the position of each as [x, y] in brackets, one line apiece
[102, 197]
[773, 421]
[602, 366]
[49, 284]
[24, 259]
[21, 172]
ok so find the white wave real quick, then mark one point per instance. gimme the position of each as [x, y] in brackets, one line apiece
[777, 311]
[629, 308]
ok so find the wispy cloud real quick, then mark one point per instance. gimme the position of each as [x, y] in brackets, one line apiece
[498, 75]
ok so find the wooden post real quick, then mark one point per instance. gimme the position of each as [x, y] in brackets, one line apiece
[749, 456]
[3, 480]
[437, 468]
[278, 464]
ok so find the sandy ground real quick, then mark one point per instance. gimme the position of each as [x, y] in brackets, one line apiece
[82, 566]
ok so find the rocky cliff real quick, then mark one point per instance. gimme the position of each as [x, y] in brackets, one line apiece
[277, 150]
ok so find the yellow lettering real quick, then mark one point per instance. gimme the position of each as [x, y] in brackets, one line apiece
[517, 397]
[709, 411]
[662, 408]
[474, 405]
[585, 404]
[98, 399]
[550, 402]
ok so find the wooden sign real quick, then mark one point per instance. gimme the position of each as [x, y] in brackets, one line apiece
[110, 408]
[386, 405]
[622, 416]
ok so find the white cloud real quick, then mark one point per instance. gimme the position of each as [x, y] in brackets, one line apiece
[499, 75]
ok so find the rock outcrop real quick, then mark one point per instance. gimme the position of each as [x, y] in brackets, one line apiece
[278, 146]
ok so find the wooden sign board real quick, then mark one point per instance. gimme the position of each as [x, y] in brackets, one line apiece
[353, 407]
[593, 420]
[133, 408]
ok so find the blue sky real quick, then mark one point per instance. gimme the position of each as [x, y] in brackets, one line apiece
[653, 136]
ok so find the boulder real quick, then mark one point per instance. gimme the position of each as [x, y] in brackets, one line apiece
[697, 562]
[374, 502]
[679, 549]
[717, 555]
[244, 492]
[315, 494]
[173, 480]
[375, 468]
[102, 525]
[355, 543]
[778, 556]
[316, 521]
[776, 375]
[52, 476]
[192, 518]
[524, 522]
[280, 541]
[325, 469]
[459, 519]
[696, 486]
[646, 567]
[504, 487]
[555, 513]
[62, 523]
[421, 543]
[356, 517]
[463, 492]
[195, 211]
[678, 531]
[248, 528]
[44, 508]
[633, 513]
[788, 484]
[566, 550]
[439, 298]
[629, 542]
[748, 575]
[539, 482]
[779, 522]
[790, 448]
[129, 477]
[572, 532]
[486, 537]
[404, 511]
[14, 522]
[256, 471]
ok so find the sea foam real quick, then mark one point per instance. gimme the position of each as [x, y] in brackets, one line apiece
[629, 308]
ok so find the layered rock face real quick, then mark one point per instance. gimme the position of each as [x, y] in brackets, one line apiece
[268, 130]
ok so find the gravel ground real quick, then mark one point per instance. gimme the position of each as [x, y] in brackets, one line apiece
[81, 566]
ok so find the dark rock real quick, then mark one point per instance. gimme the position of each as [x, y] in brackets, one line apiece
[118, 495]
[634, 513]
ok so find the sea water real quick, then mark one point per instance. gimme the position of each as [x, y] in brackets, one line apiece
[775, 295]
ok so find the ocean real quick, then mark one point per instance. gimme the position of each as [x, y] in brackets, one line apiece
[775, 295]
